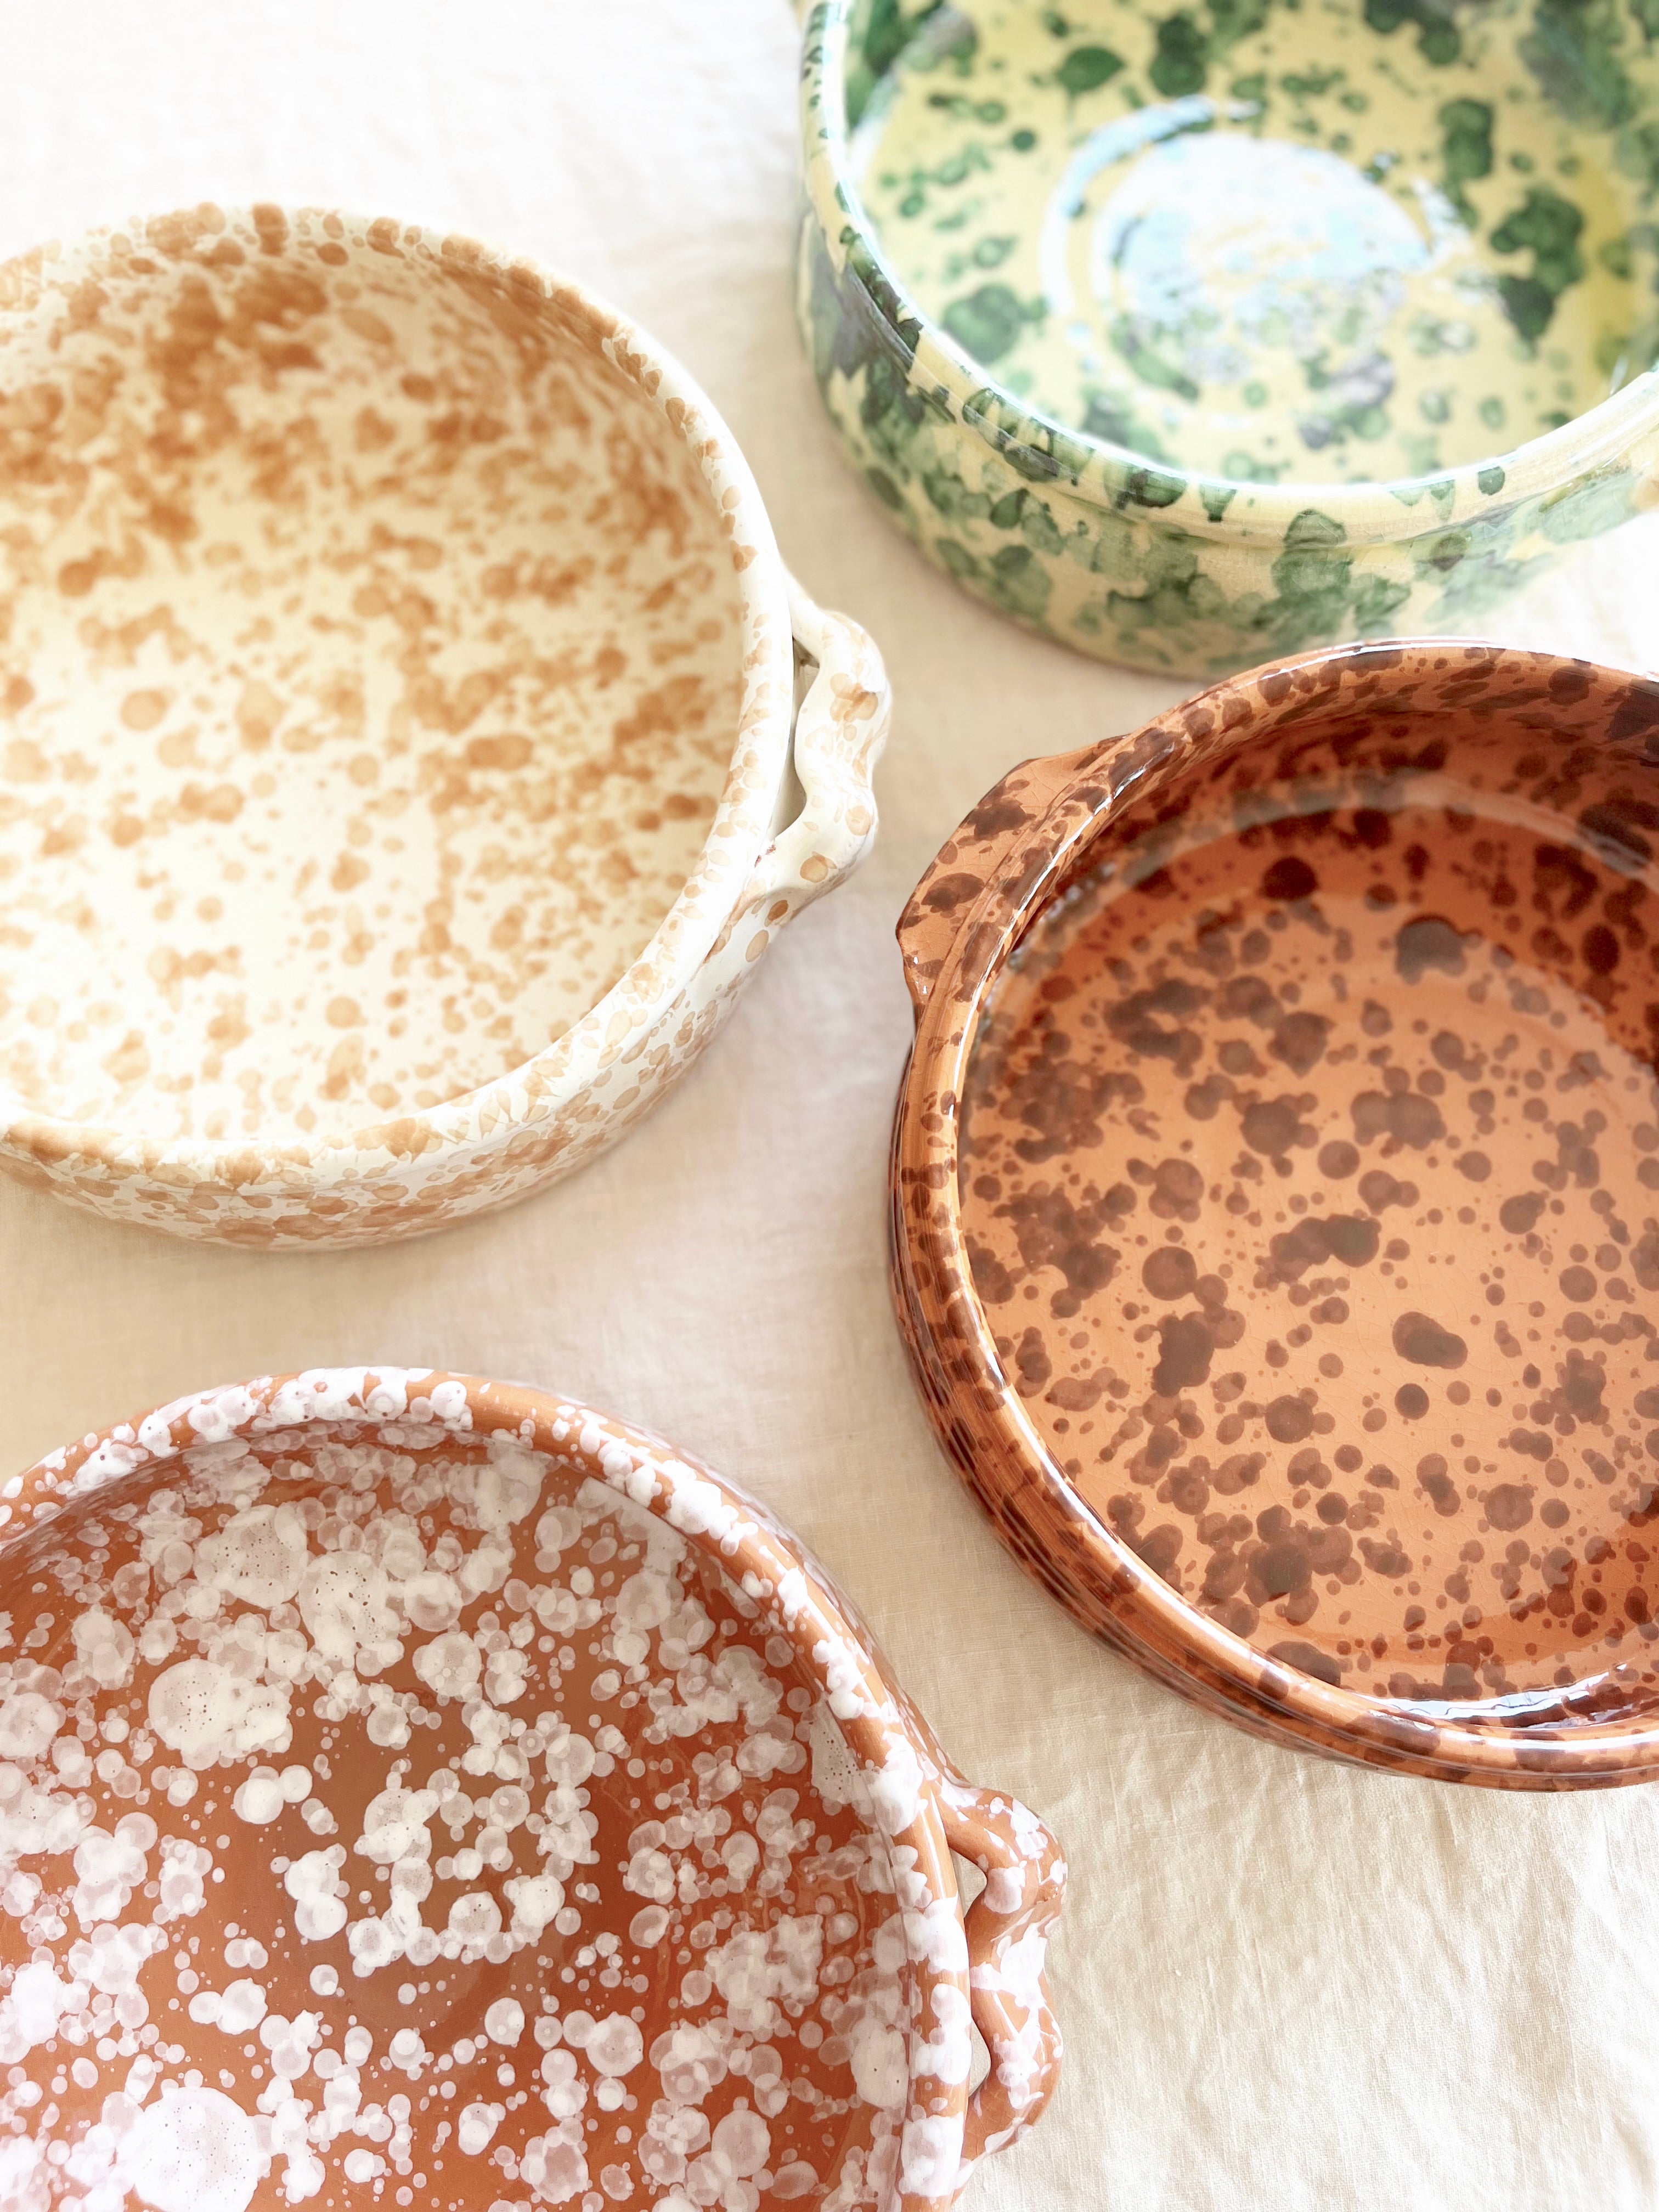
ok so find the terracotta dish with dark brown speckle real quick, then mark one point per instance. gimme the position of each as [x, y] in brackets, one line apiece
[1276, 1201]
[400, 763]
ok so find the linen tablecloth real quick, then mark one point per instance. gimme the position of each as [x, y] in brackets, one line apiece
[1282, 1983]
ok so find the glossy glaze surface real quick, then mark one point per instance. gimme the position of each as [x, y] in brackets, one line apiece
[399, 690]
[1279, 1285]
[414, 1788]
[1197, 338]
[1314, 1217]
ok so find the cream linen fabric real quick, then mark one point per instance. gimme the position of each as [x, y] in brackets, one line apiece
[1282, 1983]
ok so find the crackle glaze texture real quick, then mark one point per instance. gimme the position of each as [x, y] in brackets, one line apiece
[1277, 1200]
[397, 684]
[1193, 337]
[413, 1790]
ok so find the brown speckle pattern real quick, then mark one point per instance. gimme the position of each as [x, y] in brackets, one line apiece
[395, 702]
[1229, 1133]
[1284, 1292]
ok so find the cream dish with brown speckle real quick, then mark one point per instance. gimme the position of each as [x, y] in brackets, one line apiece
[400, 767]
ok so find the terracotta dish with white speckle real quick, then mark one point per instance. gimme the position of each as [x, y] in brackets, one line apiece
[1276, 1201]
[401, 768]
[420, 1791]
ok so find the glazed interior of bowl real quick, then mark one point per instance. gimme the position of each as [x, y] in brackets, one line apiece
[1271, 243]
[1310, 1180]
[395, 1815]
[369, 673]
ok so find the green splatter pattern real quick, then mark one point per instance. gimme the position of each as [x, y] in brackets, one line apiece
[1280, 243]
[1198, 336]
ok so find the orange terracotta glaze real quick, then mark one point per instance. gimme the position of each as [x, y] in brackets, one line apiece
[1277, 1200]
[376, 1978]
[1307, 1205]
[415, 1790]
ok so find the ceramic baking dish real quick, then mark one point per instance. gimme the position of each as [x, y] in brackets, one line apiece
[1196, 338]
[1274, 1218]
[400, 766]
[418, 1781]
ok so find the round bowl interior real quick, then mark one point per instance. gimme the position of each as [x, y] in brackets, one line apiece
[1309, 1186]
[388, 1804]
[1270, 244]
[371, 668]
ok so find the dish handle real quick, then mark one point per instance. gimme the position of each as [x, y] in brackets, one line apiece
[1007, 1926]
[971, 859]
[840, 730]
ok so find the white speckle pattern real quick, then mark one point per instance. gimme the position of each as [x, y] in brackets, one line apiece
[614, 1921]
[194, 2151]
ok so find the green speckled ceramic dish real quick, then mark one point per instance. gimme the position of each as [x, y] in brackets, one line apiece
[1195, 337]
